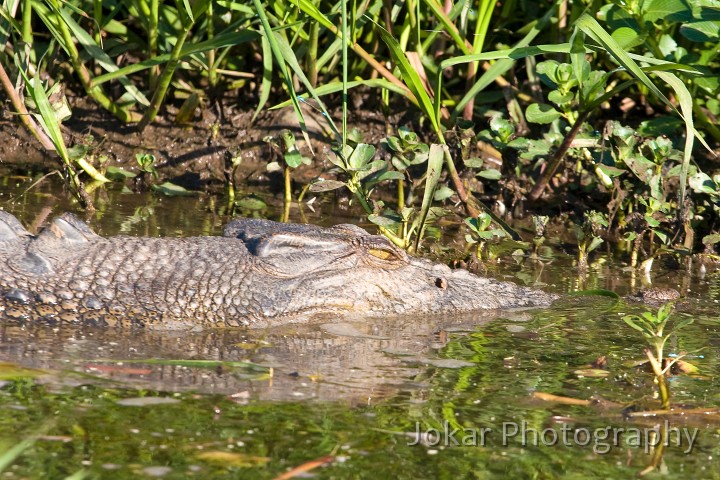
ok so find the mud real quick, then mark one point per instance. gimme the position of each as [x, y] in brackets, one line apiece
[195, 156]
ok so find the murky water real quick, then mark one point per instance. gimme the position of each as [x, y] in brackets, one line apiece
[440, 397]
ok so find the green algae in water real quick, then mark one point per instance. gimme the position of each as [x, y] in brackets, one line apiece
[407, 427]
[465, 422]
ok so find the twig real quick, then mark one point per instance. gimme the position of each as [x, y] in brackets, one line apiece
[25, 116]
[542, 182]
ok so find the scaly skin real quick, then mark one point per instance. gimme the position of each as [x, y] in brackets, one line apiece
[260, 273]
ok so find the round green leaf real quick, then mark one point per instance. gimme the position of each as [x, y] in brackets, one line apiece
[711, 239]
[541, 113]
[443, 192]
[611, 171]
[490, 174]
[361, 156]
[627, 38]
[702, 183]
[558, 98]
[326, 185]
[473, 162]
[251, 203]
[701, 31]
[172, 190]
[386, 220]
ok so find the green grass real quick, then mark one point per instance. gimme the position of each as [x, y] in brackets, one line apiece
[471, 63]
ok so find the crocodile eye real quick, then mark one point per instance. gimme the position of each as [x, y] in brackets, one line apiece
[382, 254]
[381, 249]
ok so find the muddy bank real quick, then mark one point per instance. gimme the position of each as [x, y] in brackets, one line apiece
[195, 156]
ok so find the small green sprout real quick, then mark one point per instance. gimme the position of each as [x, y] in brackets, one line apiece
[146, 161]
[652, 326]
[587, 235]
[481, 233]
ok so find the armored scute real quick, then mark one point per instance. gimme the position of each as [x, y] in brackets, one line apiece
[259, 273]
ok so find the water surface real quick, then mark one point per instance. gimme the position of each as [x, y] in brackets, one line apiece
[423, 397]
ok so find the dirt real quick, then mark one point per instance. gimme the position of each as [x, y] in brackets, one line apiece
[194, 156]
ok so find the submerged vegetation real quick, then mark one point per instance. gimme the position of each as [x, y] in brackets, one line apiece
[610, 107]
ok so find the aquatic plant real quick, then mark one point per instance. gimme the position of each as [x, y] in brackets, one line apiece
[481, 233]
[587, 235]
[286, 149]
[652, 326]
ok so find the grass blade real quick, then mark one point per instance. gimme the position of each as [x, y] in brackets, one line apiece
[686, 107]
[310, 9]
[5, 24]
[223, 40]
[435, 163]
[411, 79]
[499, 68]
[335, 87]
[289, 56]
[266, 84]
[46, 116]
[102, 58]
[164, 80]
[79, 475]
[516, 53]
[450, 27]
[592, 29]
[10, 455]
[277, 53]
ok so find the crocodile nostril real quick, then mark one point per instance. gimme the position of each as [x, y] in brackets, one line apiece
[441, 283]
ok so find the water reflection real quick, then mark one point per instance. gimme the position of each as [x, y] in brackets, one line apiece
[359, 361]
[338, 360]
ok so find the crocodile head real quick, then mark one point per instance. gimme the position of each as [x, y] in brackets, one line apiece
[344, 269]
[259, 273]
[12, 233]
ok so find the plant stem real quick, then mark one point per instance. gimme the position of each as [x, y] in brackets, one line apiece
[286, 212]
[212, 70]
[90, 170]
[401, 194]
[542, 182]
[311, 63]
[288, 184]
[153, 21]
[469, 201]
[582, 257]
[344, 40]
[25, 117]
[356, 188]
[97, 16]
[83, 74]
[656, 364]
[164, 82]
[658, 451]
[27, 35]
[231, 192]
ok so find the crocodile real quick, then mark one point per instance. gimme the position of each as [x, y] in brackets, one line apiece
[258, 273]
